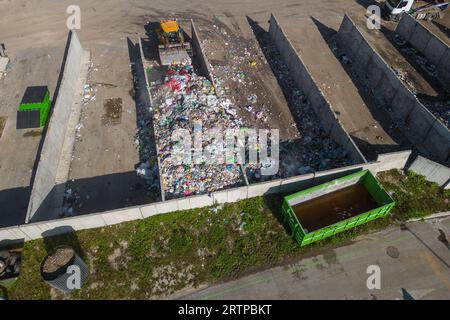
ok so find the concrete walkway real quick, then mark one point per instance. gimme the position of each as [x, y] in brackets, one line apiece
[414, 262]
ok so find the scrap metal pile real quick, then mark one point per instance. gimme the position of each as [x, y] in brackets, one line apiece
[185, 100]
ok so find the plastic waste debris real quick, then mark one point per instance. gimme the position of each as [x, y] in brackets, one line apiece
[182, 102]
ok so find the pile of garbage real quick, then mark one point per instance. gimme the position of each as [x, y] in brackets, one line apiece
[420, 59]
[185, 100]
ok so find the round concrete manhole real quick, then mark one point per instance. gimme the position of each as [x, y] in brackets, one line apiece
[392, 252]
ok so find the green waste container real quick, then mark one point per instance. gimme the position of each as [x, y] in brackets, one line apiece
[34, 108]
[329, 208]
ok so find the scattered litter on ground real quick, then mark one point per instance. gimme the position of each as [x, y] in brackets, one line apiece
[77, 131]
[71, 202]
[5, 66]
[144, 140]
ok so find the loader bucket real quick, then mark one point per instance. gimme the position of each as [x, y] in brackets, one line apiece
[175, 55]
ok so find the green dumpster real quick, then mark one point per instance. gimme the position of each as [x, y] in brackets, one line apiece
[34, 108]
[327, 209]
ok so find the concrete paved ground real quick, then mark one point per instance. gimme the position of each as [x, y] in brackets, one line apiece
[413, 262]
[105, 155]
[18, 148]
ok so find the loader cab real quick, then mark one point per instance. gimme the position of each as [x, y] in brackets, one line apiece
[170, 32]
[393, 9]
[172, 37]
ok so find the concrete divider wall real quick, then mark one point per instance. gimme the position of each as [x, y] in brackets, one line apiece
[432, 171]
[417, 123]
[396, 160]
[304, 80]
[392, 160]
[44, 196]
[430, 45]
[146, 97]
[200, 55]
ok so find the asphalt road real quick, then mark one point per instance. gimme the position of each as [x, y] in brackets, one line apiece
[414, 263]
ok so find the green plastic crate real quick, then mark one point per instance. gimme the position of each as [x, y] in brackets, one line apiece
[374, 188]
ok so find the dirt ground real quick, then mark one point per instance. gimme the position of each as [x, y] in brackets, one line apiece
[105, 156]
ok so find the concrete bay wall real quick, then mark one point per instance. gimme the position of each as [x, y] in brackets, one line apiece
[419, 125]
[306, 83]
[427, 43]
[200, 55]
[145, 96]
[31, 231]
[432, 171]
[46, 194]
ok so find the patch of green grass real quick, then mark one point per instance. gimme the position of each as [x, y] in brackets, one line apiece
[415, 197]
[165, 253]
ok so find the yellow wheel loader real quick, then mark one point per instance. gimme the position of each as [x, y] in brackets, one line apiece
[173, 49]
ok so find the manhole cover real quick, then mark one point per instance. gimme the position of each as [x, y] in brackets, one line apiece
[392, 252]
